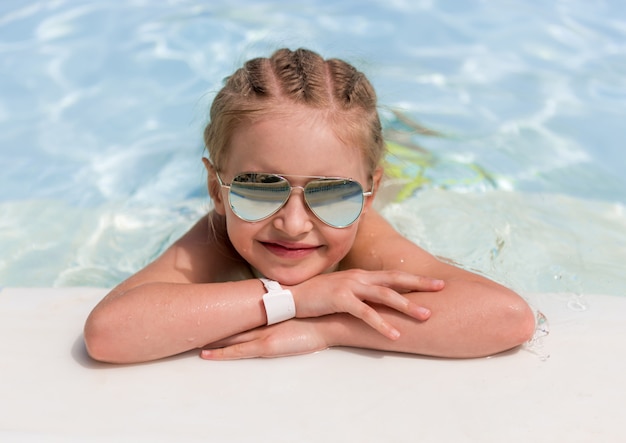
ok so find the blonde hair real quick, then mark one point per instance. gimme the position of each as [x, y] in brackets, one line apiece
[300, 77]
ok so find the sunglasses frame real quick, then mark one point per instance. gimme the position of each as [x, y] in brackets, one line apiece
[365, 194]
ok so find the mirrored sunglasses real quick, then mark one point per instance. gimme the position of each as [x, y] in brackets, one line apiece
[336, 201]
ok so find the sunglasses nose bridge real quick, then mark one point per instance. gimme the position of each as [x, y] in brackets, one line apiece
[291, 194]
[301, 188]
[294, 216]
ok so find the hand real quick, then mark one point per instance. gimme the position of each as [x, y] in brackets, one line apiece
[351, 291]
[292, 337]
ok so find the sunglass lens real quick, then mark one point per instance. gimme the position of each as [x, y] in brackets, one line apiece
[337, 202]
[254, 197]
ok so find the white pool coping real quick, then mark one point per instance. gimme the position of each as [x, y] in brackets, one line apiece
[51, 392]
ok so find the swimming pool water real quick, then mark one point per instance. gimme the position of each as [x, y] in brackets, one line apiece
[102, 106]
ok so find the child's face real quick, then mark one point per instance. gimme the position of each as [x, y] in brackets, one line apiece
[292, 245]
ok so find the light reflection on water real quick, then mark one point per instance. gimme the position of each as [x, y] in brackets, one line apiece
[102, 106]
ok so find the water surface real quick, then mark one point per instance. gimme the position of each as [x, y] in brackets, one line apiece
[102, 106]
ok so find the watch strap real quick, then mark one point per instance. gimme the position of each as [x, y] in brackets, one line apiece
[278, 302]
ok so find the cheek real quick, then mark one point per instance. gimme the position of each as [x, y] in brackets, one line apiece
[342, 241]
[240, 233]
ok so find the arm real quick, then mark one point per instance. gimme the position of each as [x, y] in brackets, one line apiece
[471, 316]
[170, 306]
[200, 291]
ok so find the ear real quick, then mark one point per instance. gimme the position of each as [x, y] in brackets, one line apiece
[215, 190]
[377, 176]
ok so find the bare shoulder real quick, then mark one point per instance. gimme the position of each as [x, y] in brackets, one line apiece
[202, 255]
[379, 246]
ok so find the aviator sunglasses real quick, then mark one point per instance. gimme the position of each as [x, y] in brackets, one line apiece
[336, 201]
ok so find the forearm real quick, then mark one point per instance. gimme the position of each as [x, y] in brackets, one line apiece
[468, 320]
[155, 320]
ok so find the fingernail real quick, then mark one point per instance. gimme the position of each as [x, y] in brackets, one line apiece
[394, 333]
[423, 311]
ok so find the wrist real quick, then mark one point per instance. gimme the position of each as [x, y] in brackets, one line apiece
[278, 302]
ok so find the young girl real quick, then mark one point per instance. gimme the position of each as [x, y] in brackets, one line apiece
[293, 259]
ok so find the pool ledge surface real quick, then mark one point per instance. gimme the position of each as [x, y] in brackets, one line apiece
[568, 388]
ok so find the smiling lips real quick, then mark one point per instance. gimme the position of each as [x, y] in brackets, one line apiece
[290, 250]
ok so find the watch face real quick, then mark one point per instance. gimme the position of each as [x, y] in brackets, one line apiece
[279, 306]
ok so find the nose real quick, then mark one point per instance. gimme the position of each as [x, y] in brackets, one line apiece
[294, 218]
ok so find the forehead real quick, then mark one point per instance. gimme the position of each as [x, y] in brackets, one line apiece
[294, 141]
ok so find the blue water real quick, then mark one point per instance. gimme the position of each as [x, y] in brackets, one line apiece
[102, 106]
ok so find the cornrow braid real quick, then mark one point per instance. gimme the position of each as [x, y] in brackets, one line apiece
[302, 77]
[351, 87]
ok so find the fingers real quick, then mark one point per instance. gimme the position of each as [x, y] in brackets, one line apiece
[235, 339]
[388, 297]
[369, 315]
[399, 280]
[354, 291]
[382, 288]
[377, 288]
[237, 351]
[288, 338]
[373, 318]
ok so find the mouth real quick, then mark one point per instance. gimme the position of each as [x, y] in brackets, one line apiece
[290, 250]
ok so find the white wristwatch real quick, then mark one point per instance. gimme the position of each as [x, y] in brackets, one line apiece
[279, 304]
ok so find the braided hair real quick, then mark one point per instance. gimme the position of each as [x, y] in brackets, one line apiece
[300, 77]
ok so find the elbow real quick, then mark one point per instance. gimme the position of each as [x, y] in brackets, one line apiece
[505, 326]
[99, 340]
[518, 324]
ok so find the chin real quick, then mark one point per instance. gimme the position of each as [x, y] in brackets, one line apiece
[291, 277]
